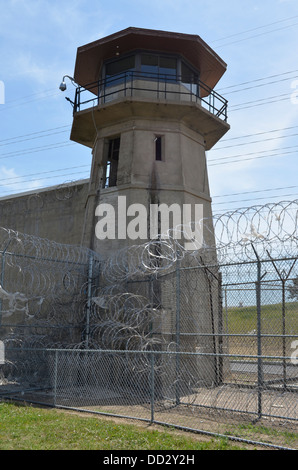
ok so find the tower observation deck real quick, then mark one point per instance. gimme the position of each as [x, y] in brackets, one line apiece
[148, 73]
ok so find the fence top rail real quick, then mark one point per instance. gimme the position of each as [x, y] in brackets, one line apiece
[154, 352]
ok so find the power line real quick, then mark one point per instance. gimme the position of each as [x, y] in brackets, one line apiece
[258, 104]
[256, 35]
[258, 86]
[256, 141]
[254, 29]
[241, 155]
[262, 100]
[45, 172]
[221, 90]
[33, 138]
[33, 134]
[68, 127]
[33, 94]
[36, 149]
[248, 159]
[4, 108]
[254, 192]
[36, 135]
[256, 199]
[259, 79]
[259, 133]
[28, 181]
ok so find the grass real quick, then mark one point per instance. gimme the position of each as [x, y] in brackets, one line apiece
[249, 431]
[244, 319]
[30, 428]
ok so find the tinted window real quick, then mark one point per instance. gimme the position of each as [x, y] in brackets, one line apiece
[167, 66]
[189, 78]
[149, 64]
[152, 65]
[115, 70]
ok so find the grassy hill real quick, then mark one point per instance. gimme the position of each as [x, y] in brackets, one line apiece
[243, 321]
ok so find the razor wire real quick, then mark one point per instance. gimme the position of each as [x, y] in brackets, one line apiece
[42, 286]
[53, 275]
[270, 228]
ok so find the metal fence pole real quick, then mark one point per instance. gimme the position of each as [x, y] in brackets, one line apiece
[220, 330]
[55, 377]
[259, 332]
[283, 278]
[89, 296]
[1, 281]
[2, 275]
[259, 337]
[178, 293]
[284, 334]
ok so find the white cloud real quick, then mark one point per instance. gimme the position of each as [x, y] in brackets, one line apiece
[25, 65]
[41, 38]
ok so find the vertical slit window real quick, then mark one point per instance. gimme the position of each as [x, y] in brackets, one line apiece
[112, 163]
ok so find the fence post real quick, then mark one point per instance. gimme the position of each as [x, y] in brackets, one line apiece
[152, 386]
[283, 278]
[89, 296]
[284, 362]
[1, 282]
[2, 275]
[177, 330]
[220, 330]
[259, 334]
[55, 377]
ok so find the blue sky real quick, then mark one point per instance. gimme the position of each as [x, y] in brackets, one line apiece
[255, 163]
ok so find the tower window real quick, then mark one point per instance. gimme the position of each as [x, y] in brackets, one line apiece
[159, 148]
[116, 70]
[163, 67]
[189, 78]
[111, 169]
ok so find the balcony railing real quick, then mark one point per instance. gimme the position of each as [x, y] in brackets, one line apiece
[150, 86]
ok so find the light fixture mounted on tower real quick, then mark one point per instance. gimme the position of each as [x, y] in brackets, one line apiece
[63, 86]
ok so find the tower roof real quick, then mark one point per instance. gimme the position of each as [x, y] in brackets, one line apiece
[91, 56]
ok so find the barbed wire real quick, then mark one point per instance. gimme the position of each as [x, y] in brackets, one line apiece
[232, 237]
[129, 302]
[44, 270]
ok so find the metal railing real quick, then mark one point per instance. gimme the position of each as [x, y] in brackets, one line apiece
[132, 84]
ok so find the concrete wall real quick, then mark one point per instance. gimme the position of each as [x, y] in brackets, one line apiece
[180, 178]
[56, 213]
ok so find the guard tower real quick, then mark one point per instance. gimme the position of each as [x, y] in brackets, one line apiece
[146, 107]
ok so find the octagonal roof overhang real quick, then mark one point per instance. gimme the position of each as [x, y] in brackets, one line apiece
[90, 57]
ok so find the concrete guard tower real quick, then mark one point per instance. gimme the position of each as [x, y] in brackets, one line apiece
[146, 107]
